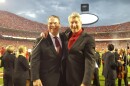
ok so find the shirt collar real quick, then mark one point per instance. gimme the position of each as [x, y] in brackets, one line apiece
[52, 36]
[77, 33]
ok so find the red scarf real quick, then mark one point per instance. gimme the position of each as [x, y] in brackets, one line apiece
[73, 38]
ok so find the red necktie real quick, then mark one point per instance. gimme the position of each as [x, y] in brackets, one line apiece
[57, 45]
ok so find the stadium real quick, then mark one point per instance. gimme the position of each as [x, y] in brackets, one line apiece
[16, 30]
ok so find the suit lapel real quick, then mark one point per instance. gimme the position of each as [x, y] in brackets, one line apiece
[49, 40]
[62, 41]
[63, 45]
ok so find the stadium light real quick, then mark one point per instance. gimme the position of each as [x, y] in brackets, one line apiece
[2, 1]
[87, 18]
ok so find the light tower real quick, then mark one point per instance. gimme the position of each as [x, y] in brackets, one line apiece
[86, 17]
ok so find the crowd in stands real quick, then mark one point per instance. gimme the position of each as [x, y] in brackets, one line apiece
[13, 25]
[113, 35]
[107, 29]
[12, 21]
[16, 43]
[118, 27]
[37, 34]
[18, 33]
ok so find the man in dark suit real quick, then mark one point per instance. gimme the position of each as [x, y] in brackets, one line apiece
[81, 60]
[48, 57]
[110, 66]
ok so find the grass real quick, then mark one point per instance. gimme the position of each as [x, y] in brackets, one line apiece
[1, 79]
[100, 77]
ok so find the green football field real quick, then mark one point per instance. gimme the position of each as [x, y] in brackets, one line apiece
[102, 83]
[100, 76]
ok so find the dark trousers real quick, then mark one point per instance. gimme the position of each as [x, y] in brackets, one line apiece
[125, 80]
[96, 77]
[110, 82]
[62, 80]
[8, 79]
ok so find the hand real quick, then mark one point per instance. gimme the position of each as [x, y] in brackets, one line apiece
[83, 84]
[44, 34]
[37, 83]
[119, 60]
[122, 62]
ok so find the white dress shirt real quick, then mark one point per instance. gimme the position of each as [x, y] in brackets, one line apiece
[53, 39]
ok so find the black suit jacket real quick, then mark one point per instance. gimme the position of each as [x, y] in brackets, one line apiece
[81, 61]
[109, 65]
[8, 60]
[21, 71]
[46, 64]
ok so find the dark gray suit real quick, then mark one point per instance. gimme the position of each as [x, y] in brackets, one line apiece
[81, 61]
[109, 69]
[8, 61]
[21, 71]
[46, 64]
